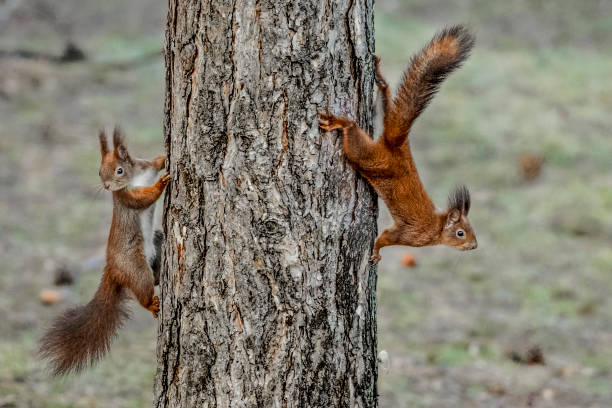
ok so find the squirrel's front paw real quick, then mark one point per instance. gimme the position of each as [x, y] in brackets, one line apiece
[329, 122]
[154, 306]
[163, 181]
[159, 162]
[375, 258]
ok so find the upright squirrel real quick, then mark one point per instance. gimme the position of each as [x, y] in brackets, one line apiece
[82, 335]
[387, 163]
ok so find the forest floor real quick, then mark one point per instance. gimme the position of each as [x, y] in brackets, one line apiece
[461, 329]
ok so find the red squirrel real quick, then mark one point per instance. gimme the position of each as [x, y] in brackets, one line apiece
[82, 335]
[387, 163]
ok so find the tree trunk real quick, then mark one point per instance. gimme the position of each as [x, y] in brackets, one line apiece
[268, 297]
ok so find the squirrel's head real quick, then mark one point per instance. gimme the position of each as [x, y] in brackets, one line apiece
[117, 166]
[457, 231]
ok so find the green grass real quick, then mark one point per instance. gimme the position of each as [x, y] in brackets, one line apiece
[541, 273]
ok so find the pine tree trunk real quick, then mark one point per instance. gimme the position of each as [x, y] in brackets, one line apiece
[268, 297]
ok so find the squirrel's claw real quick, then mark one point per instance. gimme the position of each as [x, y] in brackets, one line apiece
[154, 306]
[375, 258]
[164, 180]
[328, 122]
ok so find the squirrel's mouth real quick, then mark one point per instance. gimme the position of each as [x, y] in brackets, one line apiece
[116, 188]
[468, 246]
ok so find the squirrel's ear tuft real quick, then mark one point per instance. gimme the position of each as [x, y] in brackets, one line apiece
[103, 142]
[459, 199]
[119, 143]
[117, 137]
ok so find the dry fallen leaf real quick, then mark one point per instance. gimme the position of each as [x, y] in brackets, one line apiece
[531, 166]
[408, 260]
[50, 296]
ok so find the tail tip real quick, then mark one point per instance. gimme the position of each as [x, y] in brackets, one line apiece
[462, 34]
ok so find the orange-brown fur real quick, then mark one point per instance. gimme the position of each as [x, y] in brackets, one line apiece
[83, 334]
[388, 164]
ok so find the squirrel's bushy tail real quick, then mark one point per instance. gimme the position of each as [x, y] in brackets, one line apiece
[428, 68]
[83, 334]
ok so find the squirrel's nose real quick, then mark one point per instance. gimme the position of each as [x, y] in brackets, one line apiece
[468, 246]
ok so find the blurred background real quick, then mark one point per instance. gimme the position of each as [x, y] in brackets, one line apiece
[525, 320]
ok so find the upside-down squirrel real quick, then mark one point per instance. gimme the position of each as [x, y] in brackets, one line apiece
[387, 163]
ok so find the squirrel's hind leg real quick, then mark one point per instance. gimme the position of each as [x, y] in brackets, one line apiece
[141, 282]
[383, 87]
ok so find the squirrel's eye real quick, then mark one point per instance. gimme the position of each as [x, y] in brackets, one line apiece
[460, 233]
[119, 170]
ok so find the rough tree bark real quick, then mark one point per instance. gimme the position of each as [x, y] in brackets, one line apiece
[268, 298]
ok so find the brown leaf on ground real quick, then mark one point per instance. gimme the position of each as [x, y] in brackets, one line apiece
[496, 389]
[587, 308]
[63, 276]
[535, 356]
[408, 260]
[531, 166]
[50, 296]
[531, 356]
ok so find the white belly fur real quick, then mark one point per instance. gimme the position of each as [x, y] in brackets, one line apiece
[142, 179]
